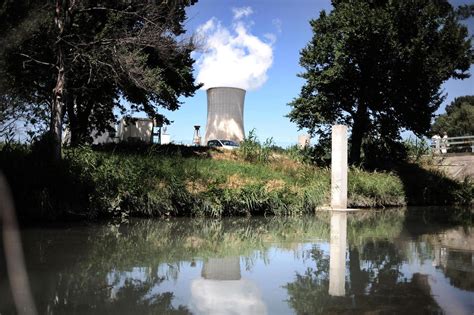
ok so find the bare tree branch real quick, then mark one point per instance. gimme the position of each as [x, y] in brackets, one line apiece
[38, 61]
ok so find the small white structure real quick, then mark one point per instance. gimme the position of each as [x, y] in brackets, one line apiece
[225, 114]
[197, 136]
[129, 130]
[105, 137]
[338, 243]
[304, 141]
[339, 167]
[165, 136]
[135, 129]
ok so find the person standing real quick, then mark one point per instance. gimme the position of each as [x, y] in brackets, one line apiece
[444, 143]
[435, 142]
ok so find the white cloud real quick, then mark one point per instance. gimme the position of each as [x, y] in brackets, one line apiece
[226, 297]
[241, 12]
[209, 25]
[233, 56]
[271, 37]
[278, 24]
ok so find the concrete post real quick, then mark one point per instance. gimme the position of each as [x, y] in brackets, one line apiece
[339, 167]
[337, 258]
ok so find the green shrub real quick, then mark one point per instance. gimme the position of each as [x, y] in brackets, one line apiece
[252, 150]
[416, 148]
[375, 189]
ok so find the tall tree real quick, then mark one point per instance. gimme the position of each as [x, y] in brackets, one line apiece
[377, 66]
[458, 119]
[83, 56]
[17, 23]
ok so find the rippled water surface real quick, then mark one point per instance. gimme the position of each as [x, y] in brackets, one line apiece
[363, 262]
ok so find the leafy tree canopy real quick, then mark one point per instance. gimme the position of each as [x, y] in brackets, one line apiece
[458, 119]
[81, 58]
[377, 66]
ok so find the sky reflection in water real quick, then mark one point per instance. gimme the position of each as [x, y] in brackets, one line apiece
[379, 262]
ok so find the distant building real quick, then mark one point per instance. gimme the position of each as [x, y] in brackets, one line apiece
[135, 130]
[129, 130]
[304, 141]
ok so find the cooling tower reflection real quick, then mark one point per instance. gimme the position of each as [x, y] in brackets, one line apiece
[221, 290]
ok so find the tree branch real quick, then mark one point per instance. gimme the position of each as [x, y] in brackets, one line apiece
[39, 61]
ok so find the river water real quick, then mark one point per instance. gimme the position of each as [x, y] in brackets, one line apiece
[366, 262]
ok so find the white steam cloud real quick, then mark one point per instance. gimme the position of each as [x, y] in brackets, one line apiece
[233, 56]
[241, 12]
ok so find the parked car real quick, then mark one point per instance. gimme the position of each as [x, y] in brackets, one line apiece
[225, 144]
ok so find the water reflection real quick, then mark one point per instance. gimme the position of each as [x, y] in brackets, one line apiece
[364, 262]
[221, 290]
[337, 261]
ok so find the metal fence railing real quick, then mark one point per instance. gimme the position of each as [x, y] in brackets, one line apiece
[452, 144]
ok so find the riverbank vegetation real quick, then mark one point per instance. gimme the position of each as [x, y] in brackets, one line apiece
[153, 70]
[158, 181]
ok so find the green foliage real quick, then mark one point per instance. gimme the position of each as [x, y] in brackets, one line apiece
[41, 189]
[252, 150]
[465, 11]
[116, 50]
[374, 189]
[416, 148]
[295, 153]
[314, 155]
[377, 66]
[160, 181]
[458, 119]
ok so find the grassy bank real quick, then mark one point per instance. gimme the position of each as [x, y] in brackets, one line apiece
[181, 181]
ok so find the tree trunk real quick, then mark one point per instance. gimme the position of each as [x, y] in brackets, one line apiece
[57, 113]
[79, 112]
[79, 134]
[356, 276]
[59, 90]
[358, 132]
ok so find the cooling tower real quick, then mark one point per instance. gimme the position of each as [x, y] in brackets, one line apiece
[225, 114]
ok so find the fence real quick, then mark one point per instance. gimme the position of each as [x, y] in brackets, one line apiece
[452, 144]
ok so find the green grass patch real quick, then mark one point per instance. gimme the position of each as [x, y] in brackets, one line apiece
[158, 181]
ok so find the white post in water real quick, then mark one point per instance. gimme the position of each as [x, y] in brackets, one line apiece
[339, 167]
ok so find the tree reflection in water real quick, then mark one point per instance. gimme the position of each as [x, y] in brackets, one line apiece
[153, 266]
[374, 283]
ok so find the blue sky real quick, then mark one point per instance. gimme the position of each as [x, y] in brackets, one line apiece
[279, 25]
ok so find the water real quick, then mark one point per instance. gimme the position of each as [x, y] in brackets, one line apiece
[330, 263]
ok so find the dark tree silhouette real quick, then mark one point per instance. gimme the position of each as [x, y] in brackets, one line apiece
[82, 57]
[377, 66]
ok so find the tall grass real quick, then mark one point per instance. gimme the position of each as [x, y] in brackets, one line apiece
[374, 189]
[252, 150]
[416, 148]
[121, 181]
